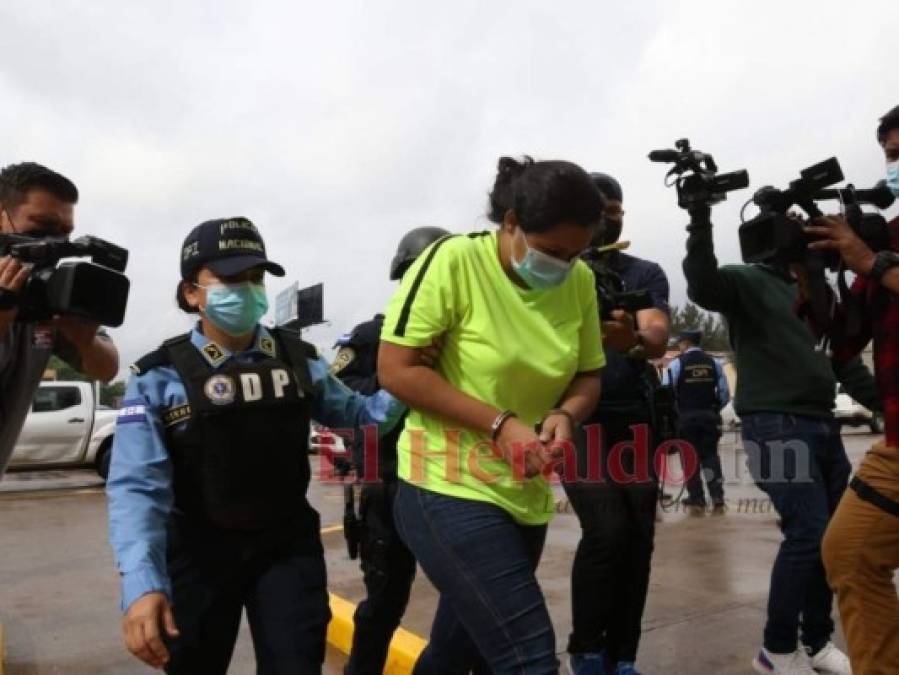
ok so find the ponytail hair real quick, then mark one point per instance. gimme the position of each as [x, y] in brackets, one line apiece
[179, 295]
[544, 194]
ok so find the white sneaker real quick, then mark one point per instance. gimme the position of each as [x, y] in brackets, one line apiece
[831, 661]
[796, 663]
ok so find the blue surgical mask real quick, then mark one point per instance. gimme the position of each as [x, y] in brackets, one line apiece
[235, 308]
[893, 177]
[539, 270]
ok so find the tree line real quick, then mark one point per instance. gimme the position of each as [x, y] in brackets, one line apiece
[714, 328]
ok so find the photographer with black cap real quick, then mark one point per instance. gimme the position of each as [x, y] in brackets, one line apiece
[37, 203]
[610, 577]
[207, 488]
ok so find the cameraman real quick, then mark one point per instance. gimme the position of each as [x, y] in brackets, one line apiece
[784, 397]
[38, 203]
[861, 547]
[610, 577]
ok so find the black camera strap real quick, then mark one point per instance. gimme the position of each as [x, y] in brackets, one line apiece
[872, 496]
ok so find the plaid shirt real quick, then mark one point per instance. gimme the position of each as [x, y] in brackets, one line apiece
[880, 323]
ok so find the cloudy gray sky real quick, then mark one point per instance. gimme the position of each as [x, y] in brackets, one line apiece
[338, 126]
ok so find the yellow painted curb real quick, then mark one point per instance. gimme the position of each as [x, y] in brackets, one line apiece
[340, 630]
[404, 648]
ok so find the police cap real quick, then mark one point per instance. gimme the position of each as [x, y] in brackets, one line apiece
[227, 246]
[691, 336]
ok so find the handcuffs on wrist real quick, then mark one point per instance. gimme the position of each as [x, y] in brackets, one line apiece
[499, 421]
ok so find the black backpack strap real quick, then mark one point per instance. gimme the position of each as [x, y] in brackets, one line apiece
[190, 365]
[297, 352]
[150, 361]
[159, 357]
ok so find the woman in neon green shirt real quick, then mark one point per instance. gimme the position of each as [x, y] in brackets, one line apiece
[516, 313]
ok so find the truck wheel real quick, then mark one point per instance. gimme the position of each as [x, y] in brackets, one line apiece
[103, 458]
[877, 424]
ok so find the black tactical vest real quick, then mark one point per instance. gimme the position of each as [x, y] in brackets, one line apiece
[697, 385]
[241, 460]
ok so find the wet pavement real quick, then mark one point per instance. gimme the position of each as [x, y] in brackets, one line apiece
[705, 613]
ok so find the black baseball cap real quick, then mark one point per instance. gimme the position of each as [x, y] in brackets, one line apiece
[610, 188]
[227, 246]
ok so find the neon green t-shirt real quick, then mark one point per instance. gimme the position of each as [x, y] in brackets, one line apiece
[512, 348]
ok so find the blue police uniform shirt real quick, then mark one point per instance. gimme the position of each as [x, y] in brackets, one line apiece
[673, 373]
[139, 488]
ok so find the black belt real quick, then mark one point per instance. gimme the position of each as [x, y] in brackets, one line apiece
[869, 494]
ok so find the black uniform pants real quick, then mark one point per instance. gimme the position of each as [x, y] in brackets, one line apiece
[610, 577]
[279, 579]
[388, 569]
[703, 435]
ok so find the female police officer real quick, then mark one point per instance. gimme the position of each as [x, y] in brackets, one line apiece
[207, 489]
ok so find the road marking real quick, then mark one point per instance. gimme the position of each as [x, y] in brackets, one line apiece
[404, 647]
[51, 492]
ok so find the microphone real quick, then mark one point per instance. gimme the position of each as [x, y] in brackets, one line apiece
[879, 195]
[667, 156]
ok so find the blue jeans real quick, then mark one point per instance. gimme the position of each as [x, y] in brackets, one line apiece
[482, 562]
[800, 462]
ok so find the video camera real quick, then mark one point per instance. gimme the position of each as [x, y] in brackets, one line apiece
[775, 237]
[95, 290]
[702, 185]
[610, 291]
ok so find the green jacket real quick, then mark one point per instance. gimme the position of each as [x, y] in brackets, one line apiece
[778, 368]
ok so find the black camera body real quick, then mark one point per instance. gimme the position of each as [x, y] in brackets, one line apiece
[610, 290]
[702, 185]
[97, 290]
[774, 237]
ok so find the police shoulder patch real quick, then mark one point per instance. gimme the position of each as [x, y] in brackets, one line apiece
[344, 358]
[213, 353]
[174, 415]
[267, 346]
[132, 411]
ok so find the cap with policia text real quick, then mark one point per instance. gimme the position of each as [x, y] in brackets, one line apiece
[693, 336]
[226, 246]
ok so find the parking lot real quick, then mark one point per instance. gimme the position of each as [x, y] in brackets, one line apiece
[706, 608]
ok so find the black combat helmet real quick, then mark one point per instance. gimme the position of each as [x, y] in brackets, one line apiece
[411, 246]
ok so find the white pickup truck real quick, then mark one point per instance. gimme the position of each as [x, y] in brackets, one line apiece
[65, 428]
